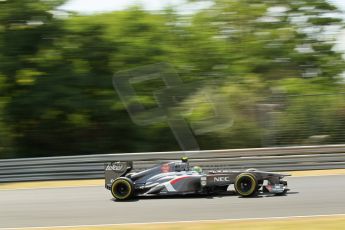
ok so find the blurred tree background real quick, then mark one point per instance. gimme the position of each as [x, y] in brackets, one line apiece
[274, 63]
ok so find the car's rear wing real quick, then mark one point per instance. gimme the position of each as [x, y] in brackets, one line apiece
[114, 170]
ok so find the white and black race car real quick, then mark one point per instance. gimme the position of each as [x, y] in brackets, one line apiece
[177, 177]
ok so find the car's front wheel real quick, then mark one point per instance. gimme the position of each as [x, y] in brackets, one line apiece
[122, 188]
[246, 184]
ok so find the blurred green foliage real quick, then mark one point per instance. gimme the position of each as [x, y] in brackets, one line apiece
[273, 62]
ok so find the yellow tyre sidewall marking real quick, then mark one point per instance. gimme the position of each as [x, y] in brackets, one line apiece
[117, 196]
[253, 187]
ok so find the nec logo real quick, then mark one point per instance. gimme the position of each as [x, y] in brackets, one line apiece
[221, 179]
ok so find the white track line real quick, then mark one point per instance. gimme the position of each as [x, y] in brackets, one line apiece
[181, 222]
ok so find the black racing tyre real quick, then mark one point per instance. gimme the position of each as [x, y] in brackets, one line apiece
[122, 188]
[246, 184]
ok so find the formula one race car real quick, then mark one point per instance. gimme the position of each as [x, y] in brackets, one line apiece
[179, 178]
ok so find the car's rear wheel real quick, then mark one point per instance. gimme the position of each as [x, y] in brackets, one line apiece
[246, 184]
[122, 188]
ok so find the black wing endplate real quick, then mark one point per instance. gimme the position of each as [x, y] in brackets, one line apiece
[114, 170]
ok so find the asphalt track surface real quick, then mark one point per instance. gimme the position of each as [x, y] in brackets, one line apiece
[319, 195]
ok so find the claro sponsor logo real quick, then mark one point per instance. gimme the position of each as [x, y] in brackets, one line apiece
[115, 167]
[221, 179]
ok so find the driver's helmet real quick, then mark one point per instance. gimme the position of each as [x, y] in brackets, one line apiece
[197, 169]
[184, 159]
